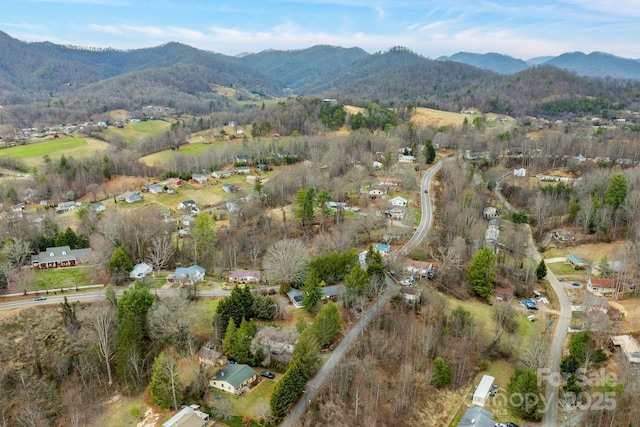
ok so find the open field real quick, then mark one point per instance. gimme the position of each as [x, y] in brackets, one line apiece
[131, 132]
[32, 154]
[590, 253]
[436, 118]
[121, 411]
[163, 157]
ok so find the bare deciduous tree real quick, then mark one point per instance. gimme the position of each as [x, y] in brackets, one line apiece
[104, 326]
[160, 251]
[285, 261]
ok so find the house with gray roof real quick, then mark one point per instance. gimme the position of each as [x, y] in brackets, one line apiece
[187, 275]
[233, 378]
[475, 416]
[60, 256]
[189, 416]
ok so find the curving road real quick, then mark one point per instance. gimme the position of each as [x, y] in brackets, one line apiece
[550, 416]
[315, 384]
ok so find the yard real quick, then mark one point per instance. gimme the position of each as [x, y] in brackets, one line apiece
[56, 278]
[254, 404]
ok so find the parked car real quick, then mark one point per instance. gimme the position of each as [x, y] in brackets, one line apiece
[267, 374]
[575, 284]
[532, 307]
[40, 298]
[510, 424]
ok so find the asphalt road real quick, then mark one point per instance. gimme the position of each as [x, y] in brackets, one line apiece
[99, 295]
[550, 416]
[315, 384]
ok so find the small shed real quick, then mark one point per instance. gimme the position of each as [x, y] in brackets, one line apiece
[481, 394]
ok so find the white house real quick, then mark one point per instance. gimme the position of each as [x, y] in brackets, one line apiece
[404, 158]
[199, 178]
[187, 204]
[398, 201]
[629, 346]
[519, 172]
[221, 174]
[233, 378]
[140, 271]
[601, 285]
[481, 394]
[243, 277]
[377, 164]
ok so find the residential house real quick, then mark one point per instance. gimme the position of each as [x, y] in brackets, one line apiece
[140, 271]
[274, 341]
[335, 205]
[603, 286]
[263, 167]
[504, 294]
[187, 204]
[187, 275]
[576, 262]
[242, 170]
[404, 158]
[411, 296]
[491, 236]
[99, 207]
[378, 191]
[601, 159]
[397, 212]
[629, 346]
[398, 201]
[475, 416]
[420, 268]
[481, 394]
[244, 277]
[252, 179]
[189, 416]
[377, 164]
[199, 178]
[233, 378]
[175, 182]
[563, 236]
[221, 174]
[553, 178]
[188, 221]
[66, 206]
[380, 247]
[520, 172]
[490, 212]
[154, 188]
[131, 196]
[391, 181]
[60, 256]
[624, 162]
[241, 159]
[580, 158]
[209, 357]
[328, 292]
[229, 188]
[468, 155]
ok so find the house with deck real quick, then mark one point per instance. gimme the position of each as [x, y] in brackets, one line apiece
[233, 378]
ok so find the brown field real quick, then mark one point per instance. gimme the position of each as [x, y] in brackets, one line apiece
[631, 321]
[429, 117]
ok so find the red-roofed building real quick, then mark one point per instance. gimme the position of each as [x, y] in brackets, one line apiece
[602, 286]
[243, 277]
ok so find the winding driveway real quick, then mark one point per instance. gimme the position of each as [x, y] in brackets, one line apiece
[315, 384]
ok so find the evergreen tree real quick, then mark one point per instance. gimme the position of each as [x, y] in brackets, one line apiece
[526, 398]
[164, 387]
[230, 338]
[312, 294]
[616, 192]
[239, 306]
[304, 203]
[307, 351]
[120, 264]
[357, 281]
[441, 372]
[481, 273]
[541, 270]
[327, 325]
[429, 151]
[204, 241]
[287, 390]
[67, 238]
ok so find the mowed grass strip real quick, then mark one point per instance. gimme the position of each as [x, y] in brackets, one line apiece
[56, 278]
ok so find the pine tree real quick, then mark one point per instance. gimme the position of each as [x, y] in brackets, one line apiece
[312, 294]
[541, 271]
[164, 386]
[441, 372]
[327, 325]
[481, 273]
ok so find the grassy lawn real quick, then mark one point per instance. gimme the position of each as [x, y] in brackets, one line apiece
[563, 269]
[483, 314]
[60, 278]
[201, 316]
[253, 404]
[127, 411]
[501, 370]
[131, 132]
[576, 319]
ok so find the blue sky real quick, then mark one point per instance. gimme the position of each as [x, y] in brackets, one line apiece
[523, 29]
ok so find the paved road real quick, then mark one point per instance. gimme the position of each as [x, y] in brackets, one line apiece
[99, 295]
[315, 384]
[550, 417]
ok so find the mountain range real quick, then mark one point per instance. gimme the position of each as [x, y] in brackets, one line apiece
[175, 74]
[595, 64]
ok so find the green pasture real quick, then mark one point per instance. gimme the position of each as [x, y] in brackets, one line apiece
[33, 153]
[131, 132]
